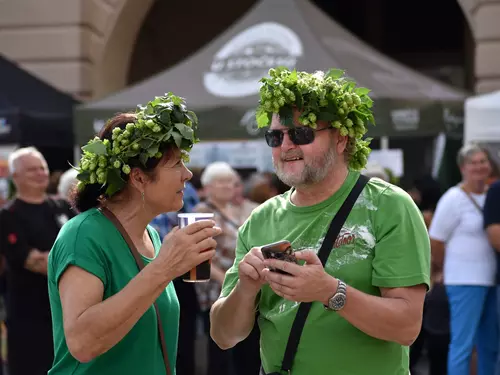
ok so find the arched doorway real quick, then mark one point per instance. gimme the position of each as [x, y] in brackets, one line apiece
[169, 33]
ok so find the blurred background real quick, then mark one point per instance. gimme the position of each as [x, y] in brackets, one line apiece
[433, 68]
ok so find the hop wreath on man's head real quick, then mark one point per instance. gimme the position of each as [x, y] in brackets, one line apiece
[164, 120]
[329, 97]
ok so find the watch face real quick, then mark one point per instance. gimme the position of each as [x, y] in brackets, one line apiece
[337, 302]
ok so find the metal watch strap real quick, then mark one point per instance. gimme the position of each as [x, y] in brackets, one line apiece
[341, 290]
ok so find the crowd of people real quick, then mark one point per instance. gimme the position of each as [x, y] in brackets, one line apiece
[94, 274]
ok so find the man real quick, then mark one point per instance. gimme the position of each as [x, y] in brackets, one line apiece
[29, 225]
[368, 299]
[491, 214]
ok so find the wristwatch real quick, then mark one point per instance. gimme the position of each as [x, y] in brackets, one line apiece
[337, 301]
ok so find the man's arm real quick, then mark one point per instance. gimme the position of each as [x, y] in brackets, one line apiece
[394, 316]
[15, 248]
[491, 214]
[232, 318]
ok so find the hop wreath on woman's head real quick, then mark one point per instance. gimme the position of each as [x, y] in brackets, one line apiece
[330, 97]
[164, 120]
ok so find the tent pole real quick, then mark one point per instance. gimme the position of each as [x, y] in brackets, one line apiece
[384, 143]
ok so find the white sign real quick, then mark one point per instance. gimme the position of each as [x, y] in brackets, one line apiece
[239, 154]
[240, 63]
[391, 159]
[5, 128]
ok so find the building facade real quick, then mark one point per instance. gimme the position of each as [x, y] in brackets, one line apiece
[85, 47]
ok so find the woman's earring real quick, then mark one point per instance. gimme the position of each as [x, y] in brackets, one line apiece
[143, 202]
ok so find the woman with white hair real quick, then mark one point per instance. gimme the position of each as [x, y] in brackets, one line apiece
[218, 181]
[67, 182]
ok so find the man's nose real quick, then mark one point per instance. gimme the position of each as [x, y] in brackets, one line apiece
[287, 142]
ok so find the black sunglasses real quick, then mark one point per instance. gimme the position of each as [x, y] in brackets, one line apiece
[303, 135]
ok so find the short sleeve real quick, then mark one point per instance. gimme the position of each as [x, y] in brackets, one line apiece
[78, 247]
[13, 243]
[491, 209]
[446, 217]
[232, 275]
[402, 250]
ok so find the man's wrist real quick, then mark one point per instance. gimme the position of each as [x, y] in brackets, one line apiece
[330, 290]
[249, 294]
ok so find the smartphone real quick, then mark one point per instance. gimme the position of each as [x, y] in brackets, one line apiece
[281, 250]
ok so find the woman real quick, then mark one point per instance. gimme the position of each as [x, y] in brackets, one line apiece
[104, 310]
[459, 243]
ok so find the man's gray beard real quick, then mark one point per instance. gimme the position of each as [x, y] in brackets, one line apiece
[312, 173]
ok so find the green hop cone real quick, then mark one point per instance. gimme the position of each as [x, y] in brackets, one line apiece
[337, 124]
[156, 129]
[356, 99]
[304, 121]
[150, 124]
[93, 178]
[117, 131]
[125, 142]
[126, 134]
[344, 131]
[102, 164]
[272, 72]
[360, 122]
[117, 164]
[352, 133]
[281, 102]
[323, 102]
[126, 169]
[288, 92]
[348, 99]
[85, 165]
[312, 117]
[116, 150]
[106, 142]
[349, 123]
[340, 112]
[267, 95]
[276, 104]
[101, 179]
[136, 146]
[268, 106]
[158, 155]
[92, 166]
[130, 126]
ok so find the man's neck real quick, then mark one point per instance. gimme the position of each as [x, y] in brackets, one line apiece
[32, 197]
[314, 194]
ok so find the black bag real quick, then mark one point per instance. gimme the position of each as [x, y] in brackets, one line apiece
[323, 254]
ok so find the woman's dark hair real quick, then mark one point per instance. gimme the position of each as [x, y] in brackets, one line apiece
[92, 195]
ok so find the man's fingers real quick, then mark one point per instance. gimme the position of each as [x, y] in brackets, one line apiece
[257, 253]
[207, 243]
[278, 278]
[282, 289]
[250, 271]
[291, 268]
[308, 255]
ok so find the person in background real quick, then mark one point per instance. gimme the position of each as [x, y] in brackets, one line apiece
[374, 169]
[461, 251]
[67, 182]
[241, 206]
[218, 181]
[29, 225]
[492, 225]
[189, 307]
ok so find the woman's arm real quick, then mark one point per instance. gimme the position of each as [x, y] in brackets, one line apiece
[93, 326]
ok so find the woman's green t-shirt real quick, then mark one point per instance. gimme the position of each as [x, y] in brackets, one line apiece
[91, 242]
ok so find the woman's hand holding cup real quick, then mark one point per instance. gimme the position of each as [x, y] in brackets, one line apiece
[185, 248]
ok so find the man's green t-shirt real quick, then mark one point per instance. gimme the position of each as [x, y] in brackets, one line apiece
[383, 244]
[91, 242]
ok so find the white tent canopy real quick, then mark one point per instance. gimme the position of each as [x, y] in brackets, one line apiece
[482, 118]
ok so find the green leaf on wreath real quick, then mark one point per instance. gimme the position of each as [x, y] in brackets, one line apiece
[83, 176]
[263, 118]
[153, 150]
[114, 181]
[96, 147]
[143, 158]
[362, 91]
[335, 73]
[177, 138]
[165, 117]
[185, 130]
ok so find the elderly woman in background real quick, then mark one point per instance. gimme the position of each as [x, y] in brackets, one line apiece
[114, 307]
[242, 207]
[67, 182]
[461, 249]
[218, 181]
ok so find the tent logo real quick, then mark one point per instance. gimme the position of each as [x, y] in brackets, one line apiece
[4, 127]
[249, 122]
[405, 119]
[240, 63]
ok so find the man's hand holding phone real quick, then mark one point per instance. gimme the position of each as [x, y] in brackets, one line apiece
[250, 271]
